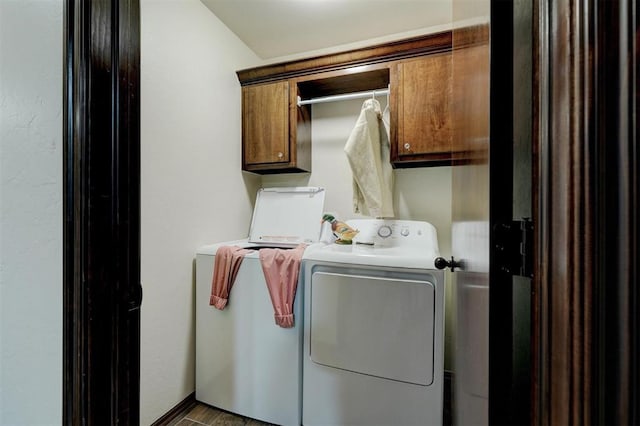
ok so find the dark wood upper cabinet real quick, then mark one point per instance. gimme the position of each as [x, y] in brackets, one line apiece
[276, 134]
[423, 127]
[265, 123]
[470, 141]
[418, 71]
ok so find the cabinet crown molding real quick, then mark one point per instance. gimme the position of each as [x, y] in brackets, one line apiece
[401, 49]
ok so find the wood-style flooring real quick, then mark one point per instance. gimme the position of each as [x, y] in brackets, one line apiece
[202, 414]
[196, 413]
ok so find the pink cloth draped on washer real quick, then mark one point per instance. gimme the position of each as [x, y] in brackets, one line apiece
[225, 269]
[281, 269]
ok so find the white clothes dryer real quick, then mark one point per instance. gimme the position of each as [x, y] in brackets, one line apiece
[374, 329]
[245, 363]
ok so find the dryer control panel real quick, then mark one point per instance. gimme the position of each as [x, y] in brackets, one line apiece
[393, 233]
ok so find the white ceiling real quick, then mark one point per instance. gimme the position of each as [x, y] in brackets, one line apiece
[284, 28]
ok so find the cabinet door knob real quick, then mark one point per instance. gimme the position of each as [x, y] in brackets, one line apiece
[280, 155]
[407, 146]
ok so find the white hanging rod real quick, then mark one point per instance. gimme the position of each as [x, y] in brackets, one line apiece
[347, 96]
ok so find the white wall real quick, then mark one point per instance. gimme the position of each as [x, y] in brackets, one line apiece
[31, 212]
[193, 192]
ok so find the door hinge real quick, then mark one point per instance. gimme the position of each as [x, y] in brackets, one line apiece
[513, 245]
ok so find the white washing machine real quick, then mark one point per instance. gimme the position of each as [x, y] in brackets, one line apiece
[245, 363]
[373, 329]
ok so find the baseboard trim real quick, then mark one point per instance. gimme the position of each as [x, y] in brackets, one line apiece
[180, 409]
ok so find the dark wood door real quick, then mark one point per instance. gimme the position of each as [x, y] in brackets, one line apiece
[491, 210]
[577, 178]
[470, 227]
[102, 292]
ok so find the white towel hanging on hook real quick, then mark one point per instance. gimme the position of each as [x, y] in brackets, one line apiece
[367, 150]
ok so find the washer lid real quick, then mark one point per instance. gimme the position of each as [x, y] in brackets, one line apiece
[287, 217]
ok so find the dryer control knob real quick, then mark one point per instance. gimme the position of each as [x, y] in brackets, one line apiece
[404, 232]
[384, 231]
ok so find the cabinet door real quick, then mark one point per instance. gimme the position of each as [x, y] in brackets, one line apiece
[424, 109]
[265, 124]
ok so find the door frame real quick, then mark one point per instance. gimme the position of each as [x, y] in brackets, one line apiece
[585, 136]
[101, 202]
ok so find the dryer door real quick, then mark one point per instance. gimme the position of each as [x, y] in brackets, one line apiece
[379, 326]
